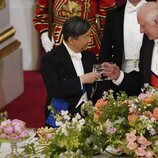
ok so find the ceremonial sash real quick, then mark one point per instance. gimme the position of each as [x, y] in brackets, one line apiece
[57, 105]
[154, 80]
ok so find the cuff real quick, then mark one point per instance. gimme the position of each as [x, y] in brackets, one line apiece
[119, 80]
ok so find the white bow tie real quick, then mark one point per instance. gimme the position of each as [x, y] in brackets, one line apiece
[131, 9]
[76, 56]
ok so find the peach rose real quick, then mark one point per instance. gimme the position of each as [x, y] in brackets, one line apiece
[147, 114]
[100, 103]
[149, 99]
[132, 118]
[155, 113]
[97, 115]
[132, 146]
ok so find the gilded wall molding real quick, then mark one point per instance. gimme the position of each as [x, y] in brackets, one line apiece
[2, 4]
[7, 34]
[9, 48]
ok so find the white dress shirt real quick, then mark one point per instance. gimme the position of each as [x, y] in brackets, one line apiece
[154, 62]
[77, 63]
[132, 40]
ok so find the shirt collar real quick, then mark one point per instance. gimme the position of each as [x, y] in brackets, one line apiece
[131, 8]
[72, 53]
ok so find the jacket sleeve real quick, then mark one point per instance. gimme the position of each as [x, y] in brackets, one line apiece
[59, 83]
[131, 83]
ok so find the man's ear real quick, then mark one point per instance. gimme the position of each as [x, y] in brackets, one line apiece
[70, 40]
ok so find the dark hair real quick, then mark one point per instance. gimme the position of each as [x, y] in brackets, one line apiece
[74, 27]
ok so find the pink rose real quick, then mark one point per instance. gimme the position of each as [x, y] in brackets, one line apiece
[24, 134]
[19, 123]
[131, 137]
[140, 152]
[149, 154]
[8, 129]
[17, 129]
[143, 141]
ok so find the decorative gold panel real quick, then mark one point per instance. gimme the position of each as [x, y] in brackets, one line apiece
[2, 4]
[9, 49]
[7, 34]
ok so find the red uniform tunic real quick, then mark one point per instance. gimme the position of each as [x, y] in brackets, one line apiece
[92, 10]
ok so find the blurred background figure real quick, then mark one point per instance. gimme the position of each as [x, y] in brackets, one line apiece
[94, 11]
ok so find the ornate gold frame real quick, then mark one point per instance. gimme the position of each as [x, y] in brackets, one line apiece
[2, 4]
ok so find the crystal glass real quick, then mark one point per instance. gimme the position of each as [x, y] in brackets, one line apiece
[99, 69]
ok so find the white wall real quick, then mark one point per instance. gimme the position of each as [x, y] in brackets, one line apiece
[4, 16]
[21, 15]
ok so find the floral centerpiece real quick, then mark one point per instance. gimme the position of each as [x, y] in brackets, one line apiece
[13, 130]
[127, 124]
[131, 123]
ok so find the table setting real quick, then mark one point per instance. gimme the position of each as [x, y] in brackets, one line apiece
[124, 127]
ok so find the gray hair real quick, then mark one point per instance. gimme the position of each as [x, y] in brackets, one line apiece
[149, 12]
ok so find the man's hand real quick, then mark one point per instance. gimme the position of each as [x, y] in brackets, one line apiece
[111, 70]
[89, 77]
[46, 43]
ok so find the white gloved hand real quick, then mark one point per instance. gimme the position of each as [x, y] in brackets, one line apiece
[46, 43]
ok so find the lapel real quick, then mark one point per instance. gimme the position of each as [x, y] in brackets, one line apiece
[66, 61]
[85, 63]
[145, 58]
